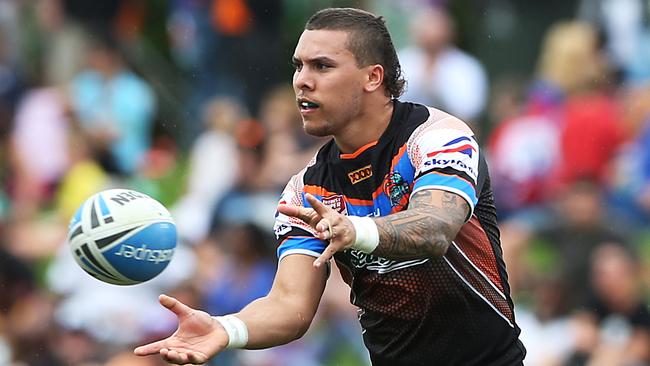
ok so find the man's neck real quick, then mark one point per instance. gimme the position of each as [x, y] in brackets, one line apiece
[366, 127]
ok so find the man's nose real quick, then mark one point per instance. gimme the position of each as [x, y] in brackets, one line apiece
[302, 80]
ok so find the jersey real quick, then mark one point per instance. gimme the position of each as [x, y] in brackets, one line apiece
[451, 310]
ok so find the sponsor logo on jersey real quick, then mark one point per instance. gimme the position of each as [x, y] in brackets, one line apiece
[453, 163]
[397, 189]
[378, 264]
[336, 203]
[464, 148]
[360, 174]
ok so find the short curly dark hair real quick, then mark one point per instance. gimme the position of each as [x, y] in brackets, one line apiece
[369, 41]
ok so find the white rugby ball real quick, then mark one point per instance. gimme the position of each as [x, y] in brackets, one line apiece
[122, 236]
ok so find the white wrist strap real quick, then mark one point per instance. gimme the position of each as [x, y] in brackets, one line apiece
[236, 330]
[367, 234]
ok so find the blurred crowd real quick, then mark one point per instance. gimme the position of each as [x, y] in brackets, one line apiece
[190, 101]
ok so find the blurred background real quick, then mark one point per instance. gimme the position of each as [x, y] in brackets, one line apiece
[190, 101]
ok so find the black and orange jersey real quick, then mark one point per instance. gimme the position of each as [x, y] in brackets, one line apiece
[452, 310]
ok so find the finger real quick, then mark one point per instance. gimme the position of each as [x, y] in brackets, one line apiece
[328, 253]
[174, 305]
[324, 229]
[289, 210]
[174, 356]
[197, 358]
[302, 213]
[149, 349]
[318, 206]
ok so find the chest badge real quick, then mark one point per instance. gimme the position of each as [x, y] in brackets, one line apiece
[336, 203]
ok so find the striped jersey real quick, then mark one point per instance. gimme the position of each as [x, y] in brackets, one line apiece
[452, 310]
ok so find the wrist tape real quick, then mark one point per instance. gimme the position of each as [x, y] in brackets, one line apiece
[236, 330]
[367, 234]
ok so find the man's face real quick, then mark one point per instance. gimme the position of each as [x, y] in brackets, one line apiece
[328, 83]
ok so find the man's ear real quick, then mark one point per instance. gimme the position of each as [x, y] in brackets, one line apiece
[375, 77]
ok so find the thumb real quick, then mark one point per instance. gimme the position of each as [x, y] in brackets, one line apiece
[174, 305]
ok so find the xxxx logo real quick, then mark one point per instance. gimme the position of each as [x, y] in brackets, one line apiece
[360, 174]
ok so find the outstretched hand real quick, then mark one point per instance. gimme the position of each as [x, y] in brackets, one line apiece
[198, 337]
[328, 224]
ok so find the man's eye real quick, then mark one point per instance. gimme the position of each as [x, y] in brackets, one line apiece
[321, 66]
[297, 66]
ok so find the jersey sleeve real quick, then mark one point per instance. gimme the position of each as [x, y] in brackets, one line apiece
[446, 159]
[293, 235]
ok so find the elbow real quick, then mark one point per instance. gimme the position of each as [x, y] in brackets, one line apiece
[301, 332]
[440, 243]
[442, 238]
[302, 326]
[439, 246]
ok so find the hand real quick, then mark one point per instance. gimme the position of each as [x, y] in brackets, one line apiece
[329, 225]
[198, 337]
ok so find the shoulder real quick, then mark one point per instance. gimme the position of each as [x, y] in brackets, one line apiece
[428, 118]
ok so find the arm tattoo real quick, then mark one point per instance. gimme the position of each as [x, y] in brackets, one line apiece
[425, 229]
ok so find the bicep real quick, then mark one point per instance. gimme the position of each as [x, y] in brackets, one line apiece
[425, 229]
[450, 206]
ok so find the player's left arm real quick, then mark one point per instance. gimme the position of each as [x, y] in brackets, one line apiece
[425, 229]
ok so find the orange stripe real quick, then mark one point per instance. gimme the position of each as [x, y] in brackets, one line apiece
[320, 191]
[359, 150]
[396, 158]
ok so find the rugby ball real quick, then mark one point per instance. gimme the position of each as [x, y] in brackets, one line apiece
[122, 236]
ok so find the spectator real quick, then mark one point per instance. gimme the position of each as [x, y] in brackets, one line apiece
[286, 148]
[580, 223]
[615, 323]
[531, 152]
[115, 108]
[438, 73]
[214, 164]
[39, 149]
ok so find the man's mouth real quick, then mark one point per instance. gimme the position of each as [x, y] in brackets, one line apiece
[307, 105]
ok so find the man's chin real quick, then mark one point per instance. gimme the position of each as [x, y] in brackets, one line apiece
[318, 129]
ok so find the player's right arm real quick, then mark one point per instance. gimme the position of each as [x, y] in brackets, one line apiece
[286, 312]
[278, 318]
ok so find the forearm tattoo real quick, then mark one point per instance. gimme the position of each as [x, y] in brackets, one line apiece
[425, 229]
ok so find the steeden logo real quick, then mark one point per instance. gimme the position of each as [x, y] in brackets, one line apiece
[360, 174]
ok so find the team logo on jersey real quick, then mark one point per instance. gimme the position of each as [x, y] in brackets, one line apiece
[397, 189]
[336, 203]
[360, 174]
[464, 148]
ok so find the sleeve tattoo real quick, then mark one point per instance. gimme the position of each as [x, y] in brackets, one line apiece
[425, 229]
